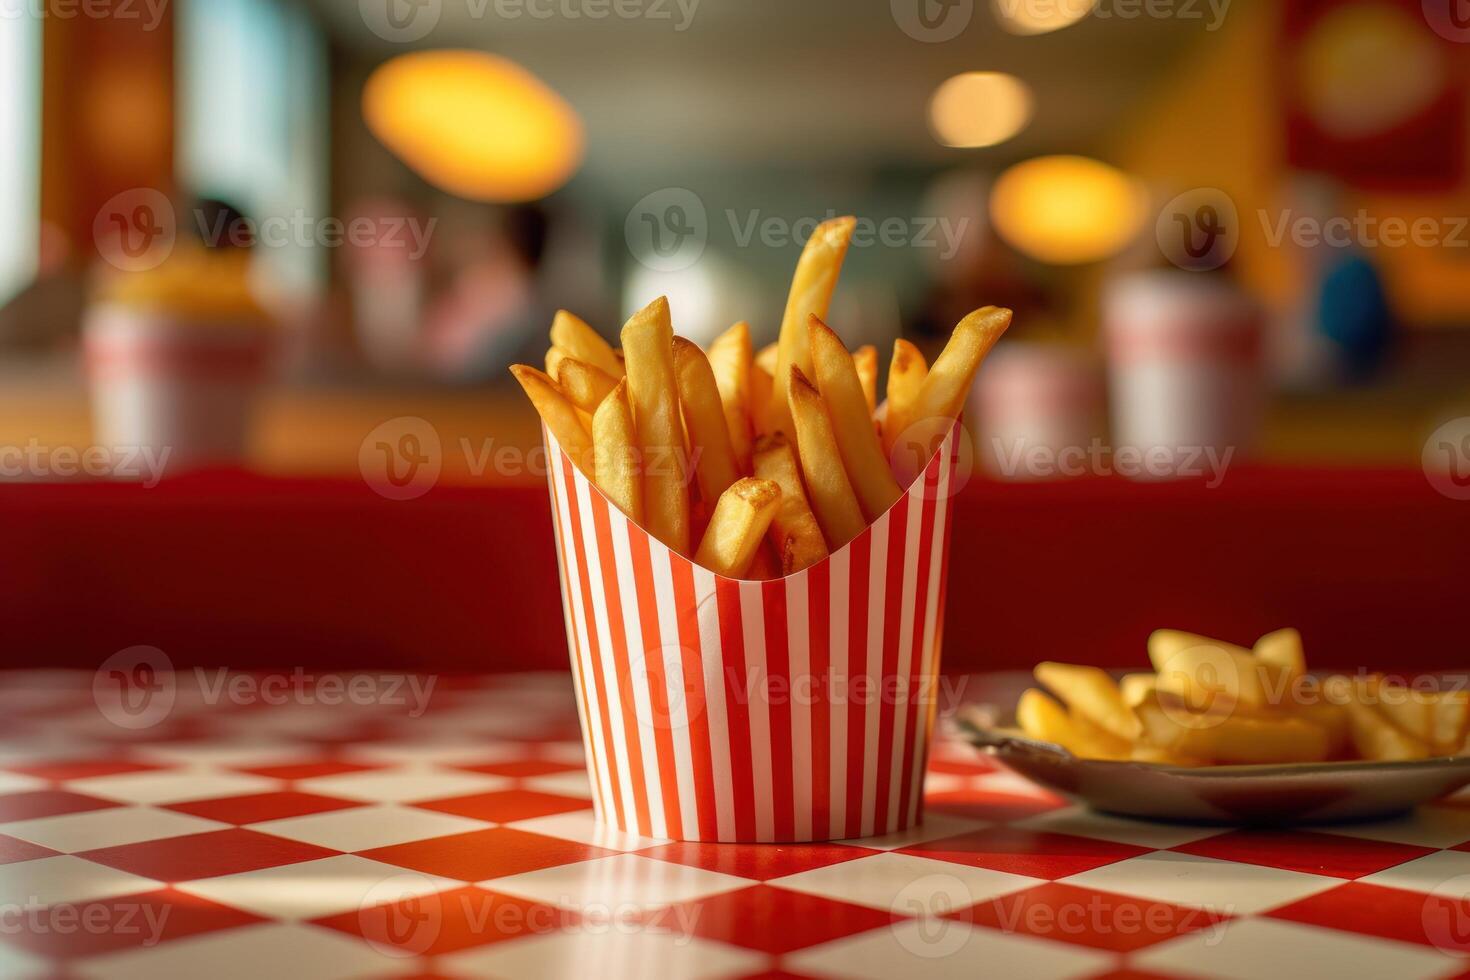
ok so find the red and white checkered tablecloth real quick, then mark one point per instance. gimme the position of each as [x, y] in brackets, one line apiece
[247, 833]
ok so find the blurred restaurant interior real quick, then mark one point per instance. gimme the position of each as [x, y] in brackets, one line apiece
[1235, 225]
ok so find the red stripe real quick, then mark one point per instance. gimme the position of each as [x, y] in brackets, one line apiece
[778, 672]
[737, 706]
[858, 688]
[592, 645]
[889, 684]
[658, 692]
[818, 582]
[622, 672]
[907, 789]
[573, 647]
[932, 679]
[694, 696]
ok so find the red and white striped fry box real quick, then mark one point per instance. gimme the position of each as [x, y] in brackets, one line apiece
[170, 385]
[797, 709]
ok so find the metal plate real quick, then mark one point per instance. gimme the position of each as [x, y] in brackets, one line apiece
[1306, 793]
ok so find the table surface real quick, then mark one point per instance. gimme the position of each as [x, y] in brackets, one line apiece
[292, 826]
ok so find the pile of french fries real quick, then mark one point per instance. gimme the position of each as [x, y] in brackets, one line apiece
[755, 464]
[1214, 703]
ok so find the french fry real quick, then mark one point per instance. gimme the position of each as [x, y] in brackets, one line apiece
[865, 360]
[1093, 693]
[760, 400]
[852, 422]
[832, 496]
[906, 373]
[1234, 739]
[572, 333]
[648, 349]
[1203, 671]
[738, 526]
[615, 452]
[794, 529]
[584, 384]
[948, 382]
[1410, 710]
[1095, 741]
[1136, 688]
[767, 357]
[554, 356]
[1374, 738]
[1451, 717]
[1043, 719]
[811, 293]
[704, 420]
[729, 358]
[1282, 650]
[559, 414]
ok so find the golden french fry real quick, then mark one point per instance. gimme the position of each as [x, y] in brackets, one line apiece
[906, 374]
[1282, 649]
[584, 384]
[1043, 719]
[794, 529]
[1136, 688]
[1331, 718]
[554, 356]
[811, 292]
[760, 400]
[832, 496]
[1095, 741]
[865, 360]
[729, 358]
[738, 526]
[942, 396]
[1451, 718]
[1092, 692]
[1203, 671]
[572, 333]
[559, 414]
[1410, 710]
[1235, 739]
[704, 420]
[1162, 757]
[615, 453]
[767, 357]
[648, 349]
[1374, 737]
[852, 422]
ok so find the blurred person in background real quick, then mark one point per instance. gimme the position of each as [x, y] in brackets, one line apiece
[490, 303]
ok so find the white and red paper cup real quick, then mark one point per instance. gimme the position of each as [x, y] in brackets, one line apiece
[797, 709]
[167, 385]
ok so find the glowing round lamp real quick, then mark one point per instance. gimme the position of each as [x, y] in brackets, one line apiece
[979, 108]
[1067, 210]
[1025, 17]
[474, 125]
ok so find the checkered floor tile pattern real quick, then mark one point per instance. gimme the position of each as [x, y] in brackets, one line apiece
[312, 837]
